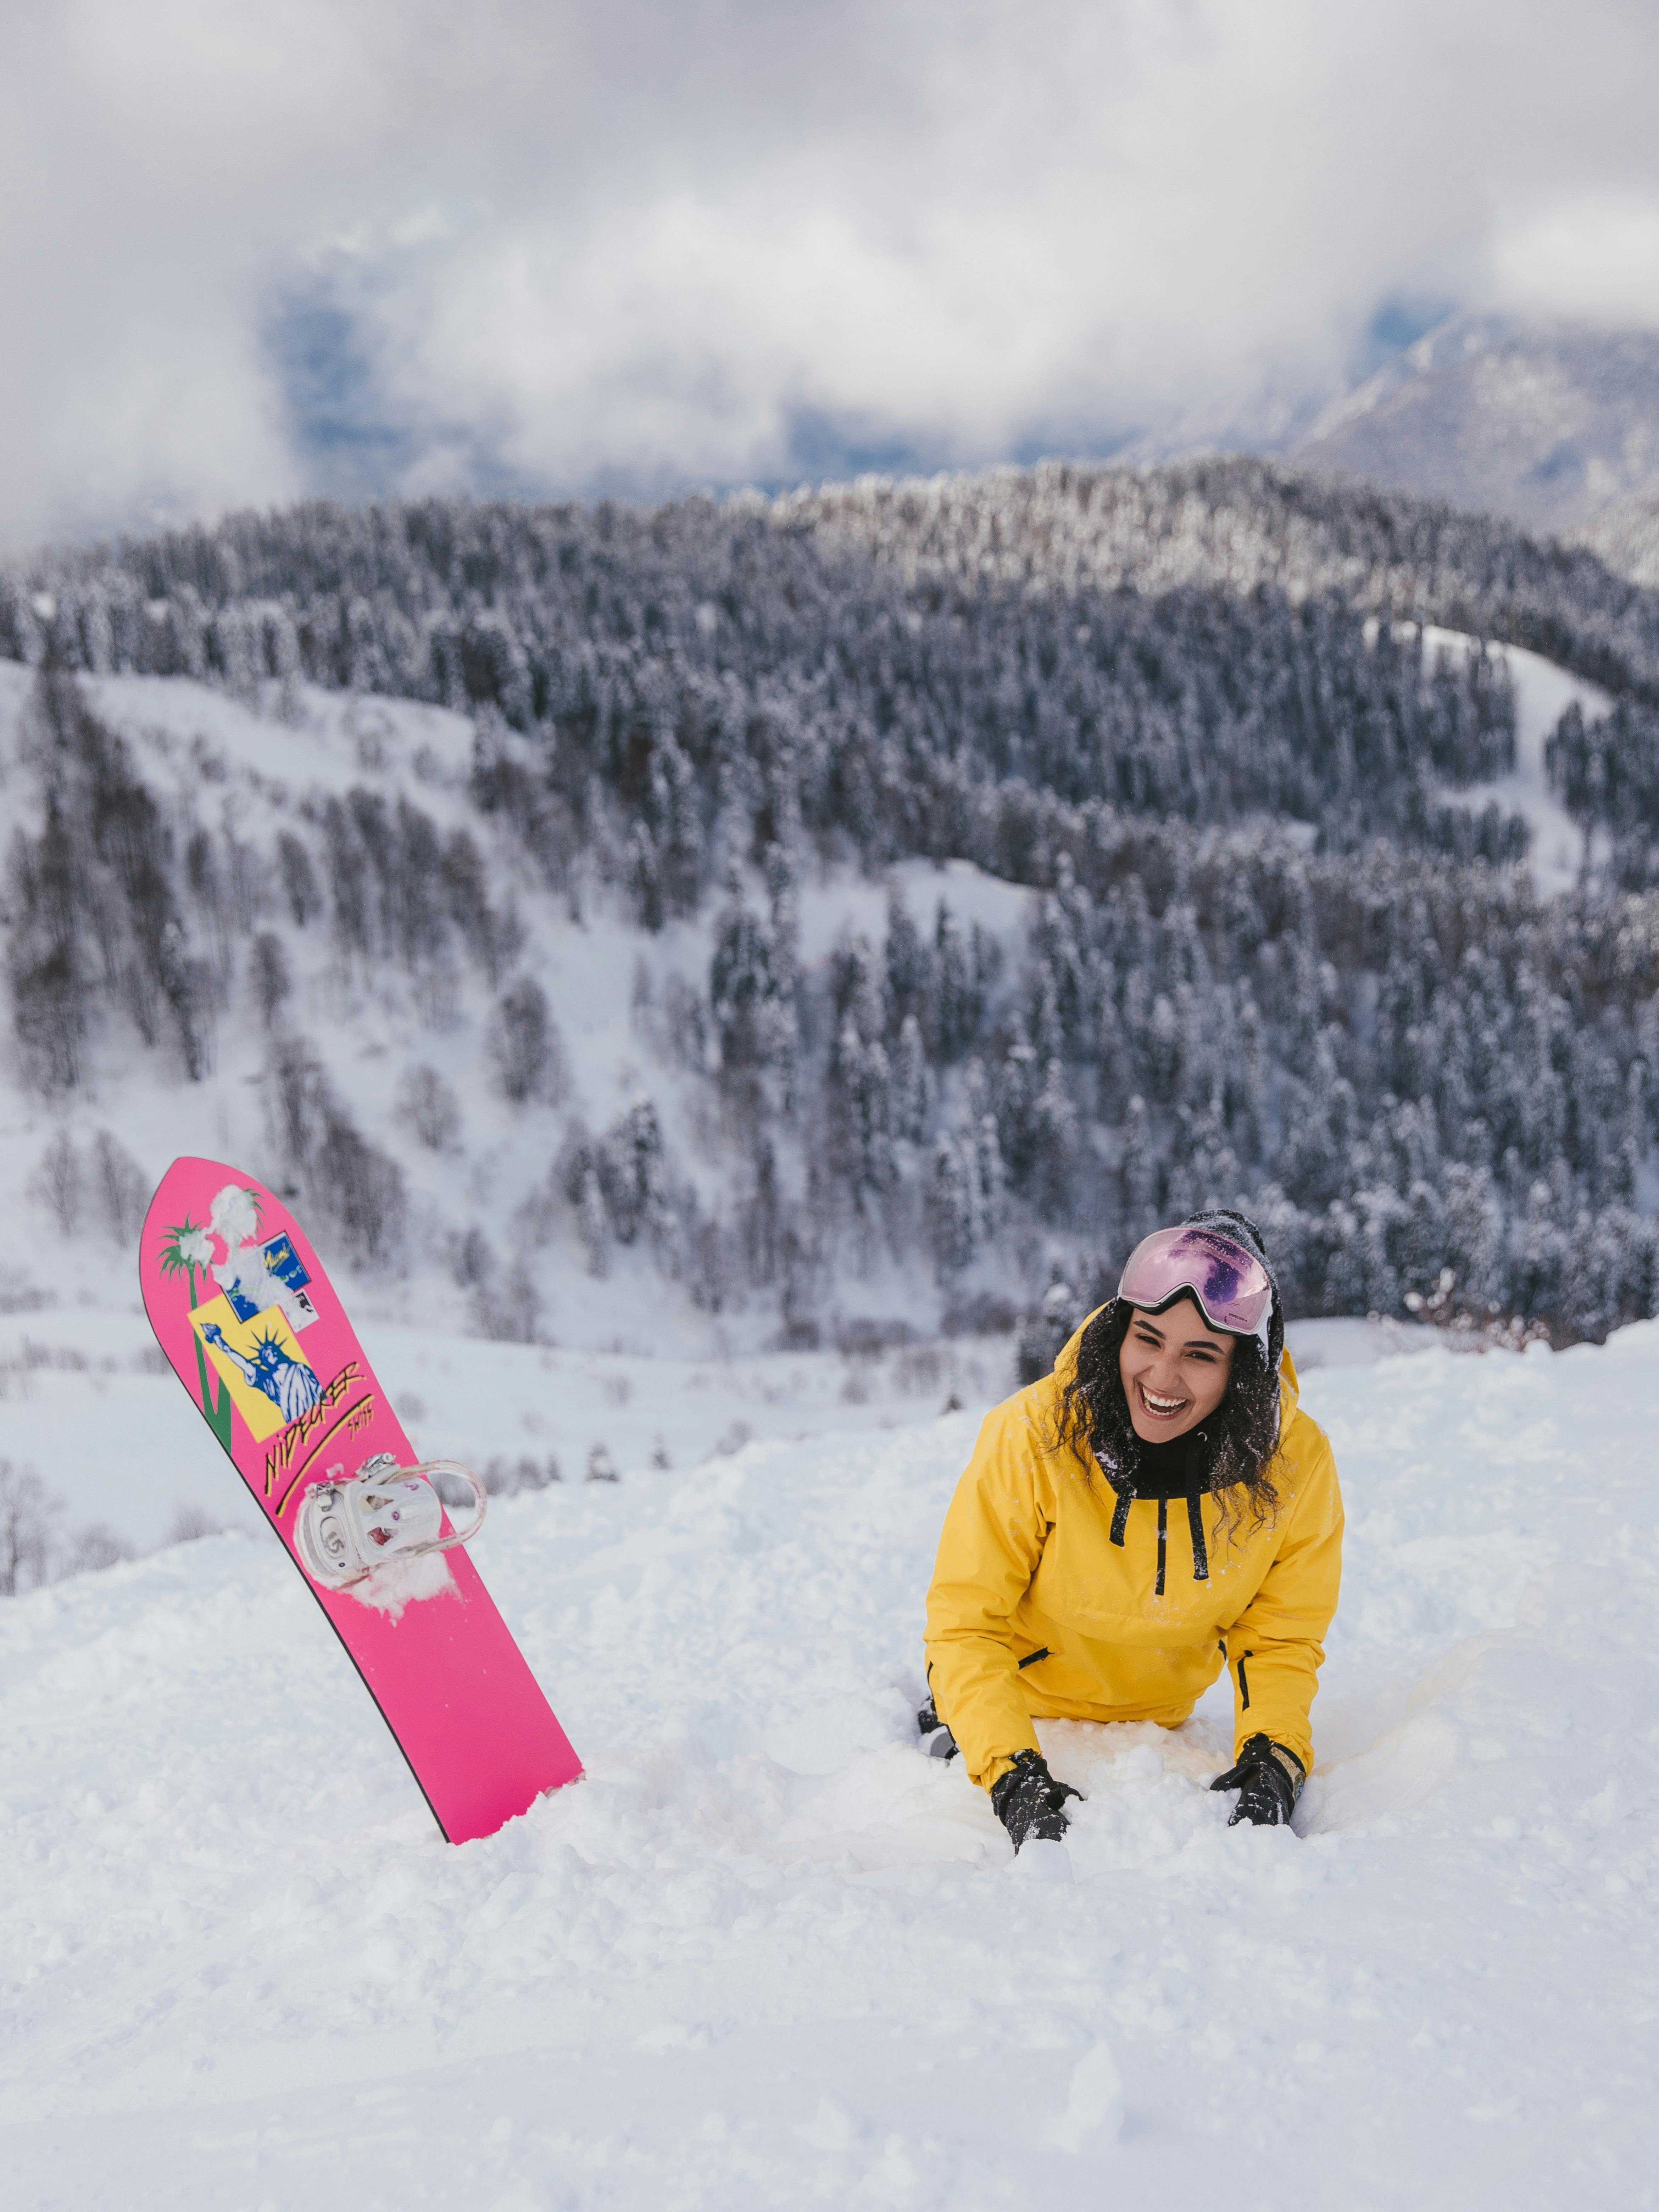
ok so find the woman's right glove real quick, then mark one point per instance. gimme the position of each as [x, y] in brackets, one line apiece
[1029, 1801]
[1268, 1779]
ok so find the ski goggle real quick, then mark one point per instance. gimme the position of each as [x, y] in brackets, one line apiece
[1232, 1287]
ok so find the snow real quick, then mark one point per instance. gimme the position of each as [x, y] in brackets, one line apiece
[86, 1402]
[334, 740]
[769, 1954]
[1543, 693]
[840, 906]
[1350, 1340]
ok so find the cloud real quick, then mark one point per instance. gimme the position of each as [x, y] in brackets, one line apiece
[391, 245]
[1593, 255]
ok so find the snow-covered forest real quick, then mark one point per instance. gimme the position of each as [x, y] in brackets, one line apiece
[1275, 936]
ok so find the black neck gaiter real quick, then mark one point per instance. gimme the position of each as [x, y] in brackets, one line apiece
[1179, 1468]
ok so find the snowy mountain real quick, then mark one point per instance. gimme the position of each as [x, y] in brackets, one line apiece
[841, 926]
[769, 1954]
[1626, 536]
[1548, 425]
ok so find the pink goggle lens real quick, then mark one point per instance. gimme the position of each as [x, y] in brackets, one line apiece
[1230, 1283]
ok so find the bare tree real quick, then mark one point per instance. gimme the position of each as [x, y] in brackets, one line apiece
[271, 980]
[96, 1548]
[27, 1513]
[298, 877]
[295, 1093]
[50, 1017]
[472, 1260]
[120, 1188]
[592, 1225]
[510, 1313]
[430, 1108]
[362, 1187]
[47, 895]
[59, 1183]
[189, 1523]
[526, 1044]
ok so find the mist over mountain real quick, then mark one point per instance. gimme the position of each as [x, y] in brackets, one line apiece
[884, 901]
[1551, 424]
[1626, 536]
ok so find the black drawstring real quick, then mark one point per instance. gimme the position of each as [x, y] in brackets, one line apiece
[1125, 1499]
[1201, 1556]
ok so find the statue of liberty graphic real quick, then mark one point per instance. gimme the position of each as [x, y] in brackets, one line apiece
[291, 1385]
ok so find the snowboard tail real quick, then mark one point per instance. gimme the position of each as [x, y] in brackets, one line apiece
[253, 1329]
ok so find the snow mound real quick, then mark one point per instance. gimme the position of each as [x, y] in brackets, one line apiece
[769, 1952]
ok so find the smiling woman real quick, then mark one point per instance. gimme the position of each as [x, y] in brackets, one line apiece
[1174, 1370]
[1054, 1594]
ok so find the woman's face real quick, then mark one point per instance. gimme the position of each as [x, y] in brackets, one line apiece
[1175, 1369]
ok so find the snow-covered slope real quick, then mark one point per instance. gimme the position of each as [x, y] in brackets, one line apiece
[768, 1953]
[369, 1025]
[1543, 693]
[366, 1023]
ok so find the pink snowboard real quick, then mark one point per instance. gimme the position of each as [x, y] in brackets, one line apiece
[246, 1314]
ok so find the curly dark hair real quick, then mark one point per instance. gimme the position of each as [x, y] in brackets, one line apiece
[1242, 1432]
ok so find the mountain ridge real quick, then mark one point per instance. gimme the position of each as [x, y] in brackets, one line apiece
[325, 816]
[1548, 423]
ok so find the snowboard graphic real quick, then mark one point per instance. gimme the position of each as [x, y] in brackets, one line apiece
[255, 1334]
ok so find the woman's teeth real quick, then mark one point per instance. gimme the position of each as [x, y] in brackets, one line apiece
[1163, 1408]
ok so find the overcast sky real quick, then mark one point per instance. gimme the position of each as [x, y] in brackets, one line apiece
[250, 248]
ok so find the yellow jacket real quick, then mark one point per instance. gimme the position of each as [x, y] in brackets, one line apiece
[1027, 1566]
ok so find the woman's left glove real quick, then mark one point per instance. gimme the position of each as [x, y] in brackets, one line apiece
[1268, 1780]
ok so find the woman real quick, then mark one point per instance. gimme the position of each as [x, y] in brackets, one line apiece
[1158, 1508]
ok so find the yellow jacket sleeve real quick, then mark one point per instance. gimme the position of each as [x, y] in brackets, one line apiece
[989, 1550]
[1275, 1647]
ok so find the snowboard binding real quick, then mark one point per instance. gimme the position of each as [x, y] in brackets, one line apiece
[350, 1525]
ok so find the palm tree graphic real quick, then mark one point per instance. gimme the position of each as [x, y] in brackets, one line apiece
[184, 1250]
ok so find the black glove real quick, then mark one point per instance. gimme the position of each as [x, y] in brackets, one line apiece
[1029, 1801]
[936, 1738]
[1268, 1780]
